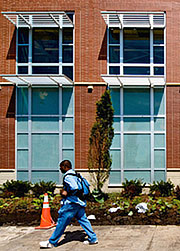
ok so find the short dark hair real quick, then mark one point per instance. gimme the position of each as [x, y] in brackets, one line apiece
[66, 163]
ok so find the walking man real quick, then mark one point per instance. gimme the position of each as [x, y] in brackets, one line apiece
[72, 206]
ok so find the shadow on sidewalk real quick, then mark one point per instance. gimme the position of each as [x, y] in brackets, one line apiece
[78, 235]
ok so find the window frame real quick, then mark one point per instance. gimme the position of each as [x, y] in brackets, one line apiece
[30, 64]
[121, 64]
[152, 132]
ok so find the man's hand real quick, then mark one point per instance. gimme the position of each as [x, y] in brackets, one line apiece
[63, 193]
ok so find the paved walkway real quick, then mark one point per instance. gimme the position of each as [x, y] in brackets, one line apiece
[111, 238]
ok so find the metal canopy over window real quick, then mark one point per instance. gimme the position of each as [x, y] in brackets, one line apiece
[145, 81]
[133, 19]
[39, 80]
[39, 19]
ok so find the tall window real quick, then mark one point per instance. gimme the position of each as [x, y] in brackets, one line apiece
[44, 132]
[138, 148]
[136, 51]
[45, 51]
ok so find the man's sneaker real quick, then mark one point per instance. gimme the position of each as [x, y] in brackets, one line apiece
[87, 242]
[45, 244]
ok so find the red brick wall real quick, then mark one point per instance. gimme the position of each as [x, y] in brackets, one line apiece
[7, 127]
[90, 61]
[173, 126]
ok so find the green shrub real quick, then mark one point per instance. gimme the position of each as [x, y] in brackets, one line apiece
[177, 192]
[162, 188]
[132, 188]
[15, 188]
[43, 187]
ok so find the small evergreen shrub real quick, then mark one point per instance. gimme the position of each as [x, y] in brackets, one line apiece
[15, 188]
[177, 192]
[132, 188]
[162, 188]
[42, 187]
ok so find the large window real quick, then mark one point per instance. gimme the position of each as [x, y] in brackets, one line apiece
[136, 51]
[45, 51]
[44, 132]
[138, 147]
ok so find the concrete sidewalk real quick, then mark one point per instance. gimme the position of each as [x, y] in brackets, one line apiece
[111, 238]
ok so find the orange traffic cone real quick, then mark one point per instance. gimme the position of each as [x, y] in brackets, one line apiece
[46, 220]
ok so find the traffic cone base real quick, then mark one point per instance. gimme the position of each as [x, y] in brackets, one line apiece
[46, 220]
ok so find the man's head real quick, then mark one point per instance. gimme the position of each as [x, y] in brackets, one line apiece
[65, 165]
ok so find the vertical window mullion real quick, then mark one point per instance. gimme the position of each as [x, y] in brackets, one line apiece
[108, 51]
[122, 134]
[121, 52]
[151, 53]
[152, 132]
[60, 131]
[60, 51]
[30, 52]
[29, 134]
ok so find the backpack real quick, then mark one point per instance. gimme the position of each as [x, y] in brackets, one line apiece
[83, 192]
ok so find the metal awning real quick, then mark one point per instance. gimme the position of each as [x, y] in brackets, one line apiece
[134, 19]
[39, 19]
[39, 80]
[134, 81]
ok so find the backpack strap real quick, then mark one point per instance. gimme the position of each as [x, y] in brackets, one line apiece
[75, 192]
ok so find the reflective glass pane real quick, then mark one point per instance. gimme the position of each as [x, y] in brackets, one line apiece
[69, 155]
[68, 140]
[145, 176]
[114, 70]
[158, 54]
[158, 36]
[128, 70]
[22, 124]
[45, 151]
[116, 159]
[23, 36]
[115, 98]
[67, 53]
[45, 101]
[38, 176]
[67, 124]
[22, 159]
[158, 70]
[136, 45]
[159, 140]
[159, 175]
[136, 124]
[68, 71]
[116, 143]
[67, 35]
[116, 124]
[22, 141]
[67, 101]
[159, 159]
[114, 54]
[45, 45]
[136, 101]
[45, 124]
[159, 104]
[22, 69]
[22, 54]
[22, 175]
[115, 177]
[137, 151]
[159, 124]
[114, 36]
[22, 101]
[45, 70]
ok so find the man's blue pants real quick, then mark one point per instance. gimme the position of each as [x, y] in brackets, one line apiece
[66, 213]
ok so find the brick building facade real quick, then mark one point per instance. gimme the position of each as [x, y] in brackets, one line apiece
[93, 48]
